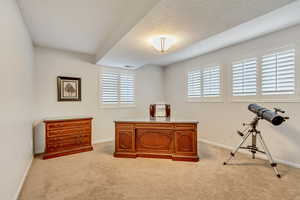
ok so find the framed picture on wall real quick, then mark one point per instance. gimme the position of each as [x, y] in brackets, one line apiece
[68, 88]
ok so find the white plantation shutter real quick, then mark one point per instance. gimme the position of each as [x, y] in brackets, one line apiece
[244, 78]
[278, 73]
[127, 88]
[211, 81]
[204, 83]
[194, 84]
[117, 88]
[109, 86]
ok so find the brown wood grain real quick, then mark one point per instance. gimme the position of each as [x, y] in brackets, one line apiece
[64, 137]
[176, 141]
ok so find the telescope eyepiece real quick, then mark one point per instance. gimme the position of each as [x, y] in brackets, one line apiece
[276, 121]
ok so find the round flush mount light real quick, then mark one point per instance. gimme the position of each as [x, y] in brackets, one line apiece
[162, 43]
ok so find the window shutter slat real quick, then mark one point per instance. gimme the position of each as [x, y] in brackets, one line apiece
[127, 88]
[117, 88]
[194, 83]
[278, 77]
[204, 82]
[109, 83]
[211, 81]
[244, 78]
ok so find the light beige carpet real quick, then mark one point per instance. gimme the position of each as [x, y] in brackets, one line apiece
[98, 175]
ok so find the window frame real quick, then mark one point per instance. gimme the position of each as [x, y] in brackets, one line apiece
[279, 97]
[118, 104]
[246, 98]
[218, 99]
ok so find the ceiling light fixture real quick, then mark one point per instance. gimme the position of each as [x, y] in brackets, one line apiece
[162, 43]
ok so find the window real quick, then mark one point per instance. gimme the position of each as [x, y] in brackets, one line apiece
[117, 88]
[127, 88]
[272, 79]
[204, 84]
[110, 88]
[244, 78]
[194, 84]
[278, 73]
[211, 82]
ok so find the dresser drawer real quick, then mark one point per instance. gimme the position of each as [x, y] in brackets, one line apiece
[60, 139]
[65, 125]
[65, 143]
[71, 131]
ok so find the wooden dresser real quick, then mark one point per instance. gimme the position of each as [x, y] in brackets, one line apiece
[67, 136]
[176, 140]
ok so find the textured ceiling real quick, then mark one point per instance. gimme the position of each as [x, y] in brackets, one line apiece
[190, 21]
[82, 25]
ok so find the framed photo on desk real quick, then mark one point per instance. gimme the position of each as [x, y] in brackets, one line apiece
[160, 110]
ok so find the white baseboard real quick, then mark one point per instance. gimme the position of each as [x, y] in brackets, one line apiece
[216, 144]
[23, 179]
[103, 140]
[261, 156]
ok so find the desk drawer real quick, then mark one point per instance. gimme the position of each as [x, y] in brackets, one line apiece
[184, 126]
[155, 126]
[124, 126]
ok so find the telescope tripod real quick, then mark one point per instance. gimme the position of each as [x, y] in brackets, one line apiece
[251, 130]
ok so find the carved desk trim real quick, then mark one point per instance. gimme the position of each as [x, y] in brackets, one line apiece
[156, 139]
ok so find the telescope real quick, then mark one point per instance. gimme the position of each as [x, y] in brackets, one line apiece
[251, 130]
[271, 116]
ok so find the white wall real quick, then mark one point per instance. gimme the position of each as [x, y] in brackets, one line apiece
[16, 102]
[149, 89]
[219, 121]
[51, 63]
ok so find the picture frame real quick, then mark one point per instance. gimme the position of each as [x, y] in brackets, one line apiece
[160, 110]
[68, 88]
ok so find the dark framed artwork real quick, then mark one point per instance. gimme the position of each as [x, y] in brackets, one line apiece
[68, 88]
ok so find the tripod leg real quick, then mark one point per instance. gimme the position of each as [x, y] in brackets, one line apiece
[237, 148]
[253, 151]
[269, 156]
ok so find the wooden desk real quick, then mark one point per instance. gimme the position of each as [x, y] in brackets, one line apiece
[176, 140]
